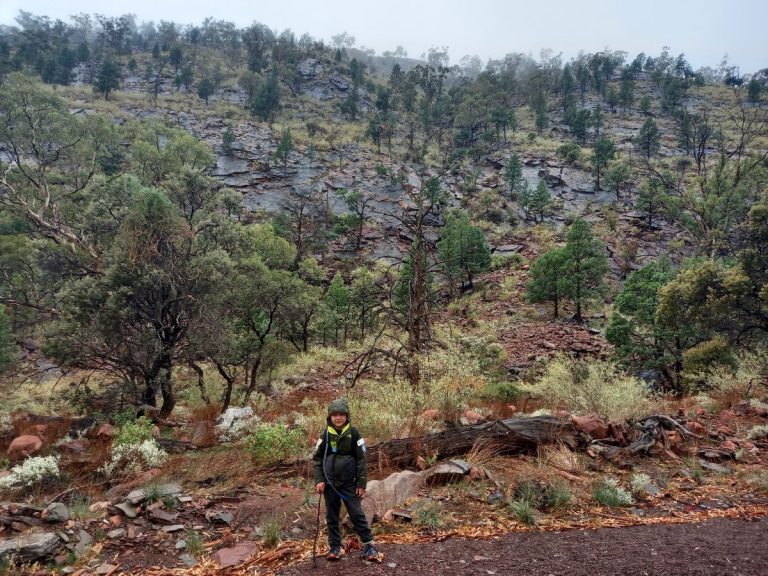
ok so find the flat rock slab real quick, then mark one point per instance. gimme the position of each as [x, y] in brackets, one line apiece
[128, 509]
[444, 474]
[232, 556]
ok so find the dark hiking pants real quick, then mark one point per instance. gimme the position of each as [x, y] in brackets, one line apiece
[354, 509]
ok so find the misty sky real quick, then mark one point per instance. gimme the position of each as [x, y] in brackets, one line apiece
[704, 30]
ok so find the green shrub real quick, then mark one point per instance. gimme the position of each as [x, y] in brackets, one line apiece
[570, 153]
[592, 387]
[273, 443]
[133, 431]
[502, 391]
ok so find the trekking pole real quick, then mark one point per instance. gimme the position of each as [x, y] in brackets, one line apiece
[317, 533]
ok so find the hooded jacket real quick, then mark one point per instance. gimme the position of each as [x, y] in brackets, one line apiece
[339, 458]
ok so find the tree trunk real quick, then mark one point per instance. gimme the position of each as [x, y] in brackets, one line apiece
[200, 382]
[512, 435]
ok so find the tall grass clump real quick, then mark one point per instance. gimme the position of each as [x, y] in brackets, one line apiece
[608, 493]
[592, 387]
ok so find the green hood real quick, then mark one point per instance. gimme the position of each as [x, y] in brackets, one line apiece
[340, 405]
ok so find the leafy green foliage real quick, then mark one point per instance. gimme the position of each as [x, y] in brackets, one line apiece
[462, 248]
[135, 431]
[8, 352]
[273, 443]
[586, 265]
[638, 339]
[548, 281]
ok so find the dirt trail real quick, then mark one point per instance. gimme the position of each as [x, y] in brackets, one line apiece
[736, 547]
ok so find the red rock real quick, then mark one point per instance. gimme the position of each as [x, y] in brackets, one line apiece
[696, 427]
[473, 417]
[430, 414]
[231, 556]
[106, 431]
[24, 446]
[591, 425]
[673, 436]
[561, 414]
[40, 430]
[728, 445]
[748, 445]
[724, 430]
[132, 532]
[421, 463]
[700, 411]
[727, 415]
[115, 520]
[512, 408]
[476, 473]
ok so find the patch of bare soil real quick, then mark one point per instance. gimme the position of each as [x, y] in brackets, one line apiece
[714, 547]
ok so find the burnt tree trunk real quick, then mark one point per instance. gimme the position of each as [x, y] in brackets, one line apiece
[512, 436]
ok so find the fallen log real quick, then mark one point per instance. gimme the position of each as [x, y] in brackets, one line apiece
[513, 435]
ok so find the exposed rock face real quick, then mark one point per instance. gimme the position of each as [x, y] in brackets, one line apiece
[30, 547]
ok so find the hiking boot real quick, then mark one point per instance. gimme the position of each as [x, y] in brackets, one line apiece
[334, 553]
[369, 553]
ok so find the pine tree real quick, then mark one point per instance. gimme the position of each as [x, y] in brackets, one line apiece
[462, 249]
[587, 265]
[540, 202]
[548, 279]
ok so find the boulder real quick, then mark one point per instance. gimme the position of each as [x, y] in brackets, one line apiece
[473, 417]
[55, 513]
[24, 446]
[394, 490]
[30, 547]
[430, 414]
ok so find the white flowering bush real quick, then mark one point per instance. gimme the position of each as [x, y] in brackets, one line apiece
[638, 481]
[133, 459]
[758, 432]
[33, 472]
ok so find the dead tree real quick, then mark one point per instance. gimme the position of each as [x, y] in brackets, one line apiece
[514, 435]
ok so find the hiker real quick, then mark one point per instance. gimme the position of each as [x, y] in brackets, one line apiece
[340, 474]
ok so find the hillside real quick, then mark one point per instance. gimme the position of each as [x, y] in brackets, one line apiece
[208, 233]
